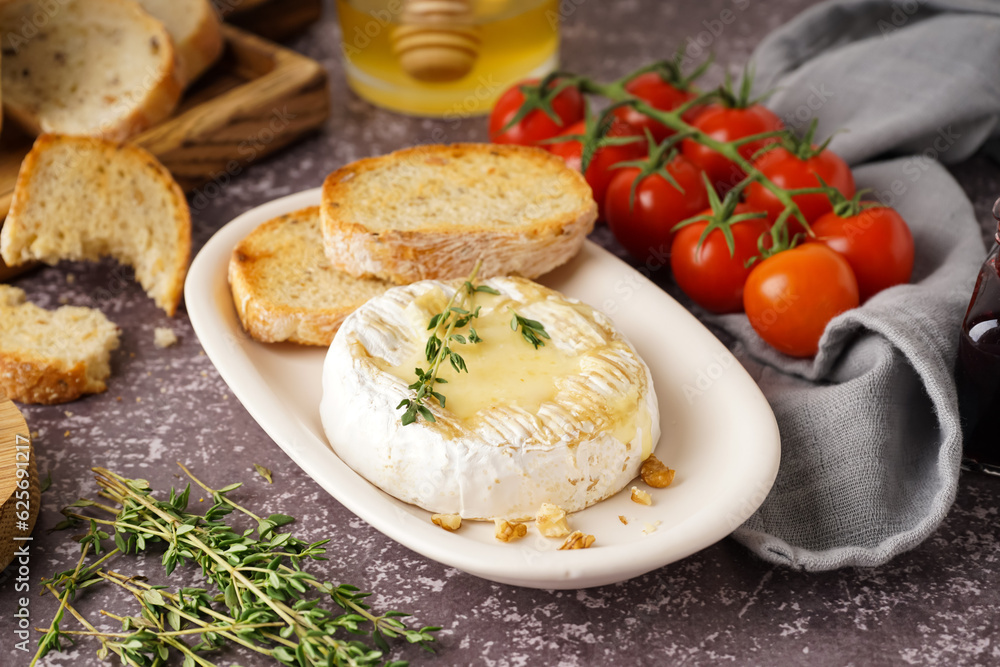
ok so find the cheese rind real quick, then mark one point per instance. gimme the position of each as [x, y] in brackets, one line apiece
[578, 441]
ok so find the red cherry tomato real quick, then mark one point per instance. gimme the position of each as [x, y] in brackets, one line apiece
[712, 277]
[877, 244]
[791, 296]
[659, 94]
[644, 227]
[788, 171]
[536, 125]
[726, 124]
[600, 170]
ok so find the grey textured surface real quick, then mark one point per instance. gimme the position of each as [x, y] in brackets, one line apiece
[936, 604]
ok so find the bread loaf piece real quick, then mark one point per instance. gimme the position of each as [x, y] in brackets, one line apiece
[284, 287]
[195, 30]
[431, 212]
[83, 198]
[52, 356]
[86, 67]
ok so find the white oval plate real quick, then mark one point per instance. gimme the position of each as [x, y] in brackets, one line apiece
[718, 431]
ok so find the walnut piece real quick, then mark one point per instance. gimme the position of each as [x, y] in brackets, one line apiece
[577, 540]
[450, 522]
[551, 521]
[656, 474]
[641, 497]
[508, 531]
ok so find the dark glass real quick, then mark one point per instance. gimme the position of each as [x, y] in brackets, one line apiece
[978, 369]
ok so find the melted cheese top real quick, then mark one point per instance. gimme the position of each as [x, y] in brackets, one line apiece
[504, 369]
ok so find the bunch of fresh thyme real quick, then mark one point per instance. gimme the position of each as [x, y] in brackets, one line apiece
[265, 601]
[457, 314]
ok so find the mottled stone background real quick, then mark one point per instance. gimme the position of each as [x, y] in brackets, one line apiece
[937, 604]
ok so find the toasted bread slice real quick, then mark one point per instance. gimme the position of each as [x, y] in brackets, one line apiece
[433, 211]
[196, 31]
[284, 287]
[91, 67]
[84, 198]
[52, 356]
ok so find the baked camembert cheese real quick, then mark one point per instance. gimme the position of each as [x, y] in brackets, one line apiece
[569, 422]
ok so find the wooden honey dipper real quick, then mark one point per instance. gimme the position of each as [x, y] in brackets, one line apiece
[436, 40]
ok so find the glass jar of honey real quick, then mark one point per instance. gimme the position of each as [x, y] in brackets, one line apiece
[445, 58]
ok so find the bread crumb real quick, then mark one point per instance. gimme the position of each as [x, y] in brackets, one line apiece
[621, 517]
[63, 300]
[119, 399]
[68, 413]
[66, 434]
[164, 337]
[70, 278]
[641, 497]
[34, 434]
[163, 390]
[138, 399]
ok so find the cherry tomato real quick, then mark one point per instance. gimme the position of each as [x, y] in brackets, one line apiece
[791, 296]
[659, 94]
[877, 244]
[600, 170]
[791, 172]
[712, 277]
[644, 227]
[536, 126]
[726, 124]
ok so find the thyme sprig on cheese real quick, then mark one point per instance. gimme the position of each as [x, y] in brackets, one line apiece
[532, 331]
[445, 327]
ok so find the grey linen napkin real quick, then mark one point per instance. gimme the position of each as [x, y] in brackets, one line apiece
[871, 439]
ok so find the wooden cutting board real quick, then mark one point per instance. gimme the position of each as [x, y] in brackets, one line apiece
[258, 98]
[18, 506]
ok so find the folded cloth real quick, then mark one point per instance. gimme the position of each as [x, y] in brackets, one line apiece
[871, 440]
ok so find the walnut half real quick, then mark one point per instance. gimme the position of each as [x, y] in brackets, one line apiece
[551, 520]
[508, 531]
[577, 540]
[450, 522]
[656, 474]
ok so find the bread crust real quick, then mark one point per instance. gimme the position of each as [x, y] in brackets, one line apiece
[28, 378]
[158, 102]
[197, 50]
[12, 227]
[444, 251]
[203, 49]
[269, 321]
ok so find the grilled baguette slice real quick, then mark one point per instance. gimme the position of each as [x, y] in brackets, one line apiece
[52, 356]
[196, 31]
[84, 198]
[284, 287]
[431, 212]
[92, 67]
